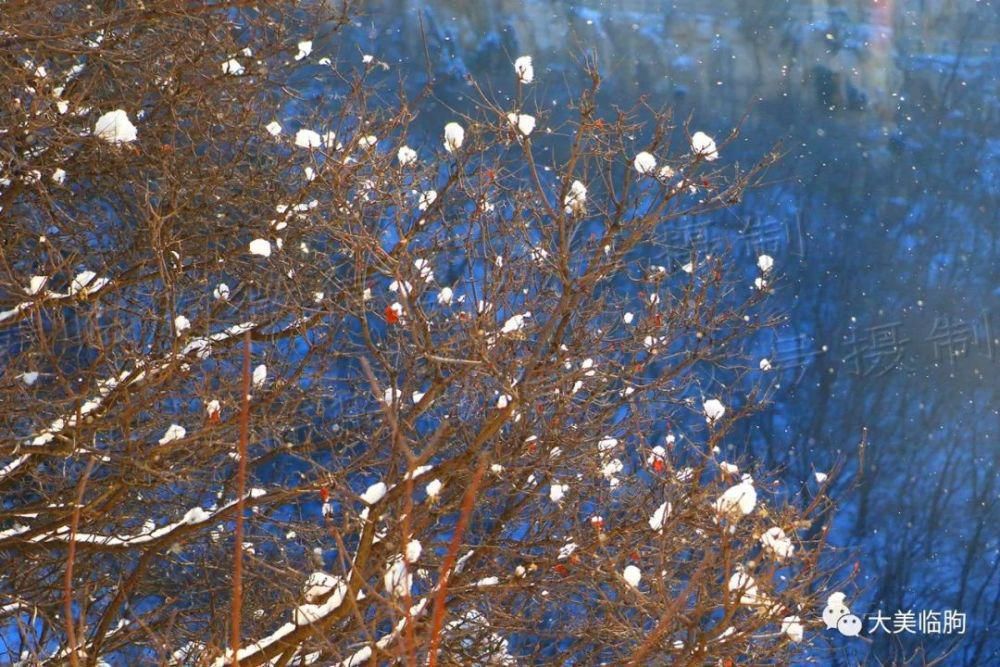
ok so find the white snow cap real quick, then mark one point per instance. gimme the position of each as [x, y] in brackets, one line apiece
[221, 292]
[259, 376]
[397, 579]
[308, 139]
[777, 542]
[433, 488]
[738, 500]
[213, 407]
[445, 296]
[374, 493]
[406, 156]
[426, 199]
[115, 127]
[181, 324]
[538, 254]
[704, 145]
[660, 516]
[566, 550]
[305, 48]
[524, 123]
[524, 69]
[632, 575]
[305, 614]
[368, 141]
[390, 395]
[425, 269]
[36, 284]
[454, 135]
[260, 247]
[610, 471]
[319, 584]
[765, 365]
[656, 455]
[86, 282]
[644, 163]
[232, 67]
[792, 626]
[515, 323]
[173, 432]
[741, 581]
[575, 202]
[403, 287]
[195, 515]
[413, 551]
[557, 491]
[765, 263]
[714, 409]
[607, 444]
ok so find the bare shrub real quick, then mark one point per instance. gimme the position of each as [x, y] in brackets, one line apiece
[485, 427]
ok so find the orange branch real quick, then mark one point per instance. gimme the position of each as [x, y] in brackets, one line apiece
[437, 617]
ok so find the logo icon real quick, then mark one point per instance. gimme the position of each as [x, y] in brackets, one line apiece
[837, 616]
[849, 625]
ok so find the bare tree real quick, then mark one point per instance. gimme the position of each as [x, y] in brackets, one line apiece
[481, 426]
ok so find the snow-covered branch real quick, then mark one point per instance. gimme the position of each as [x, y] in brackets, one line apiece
[192, 519]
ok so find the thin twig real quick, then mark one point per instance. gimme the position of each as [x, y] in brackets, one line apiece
[241, 482]
[452, 360]
[74, 659]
